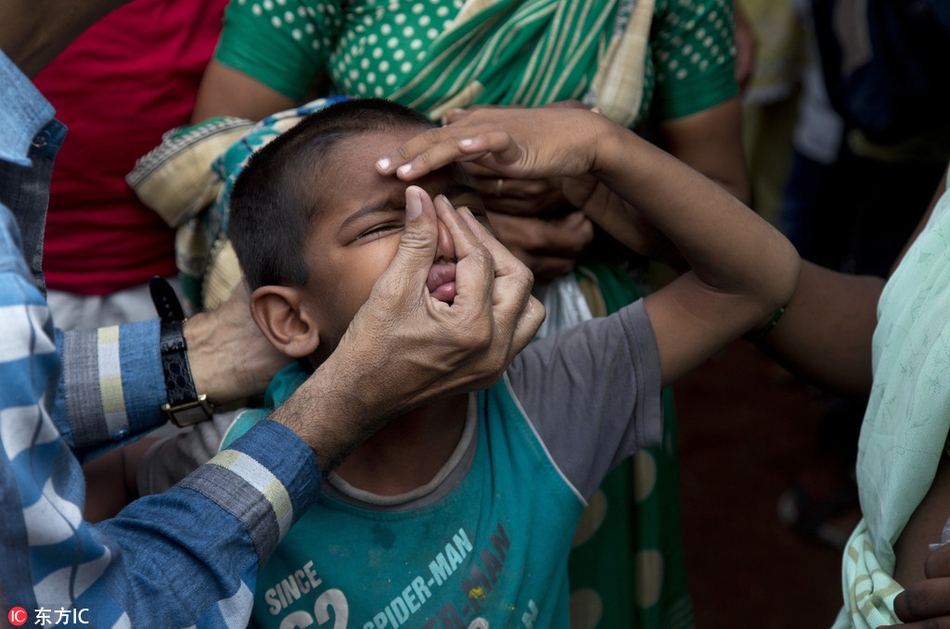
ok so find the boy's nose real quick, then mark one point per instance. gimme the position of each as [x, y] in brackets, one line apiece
[446, 247]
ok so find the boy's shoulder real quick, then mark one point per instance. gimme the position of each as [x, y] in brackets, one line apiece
[280, 388]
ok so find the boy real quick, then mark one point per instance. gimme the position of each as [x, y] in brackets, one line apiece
[461, 513]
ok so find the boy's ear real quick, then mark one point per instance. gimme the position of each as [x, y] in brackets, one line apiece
[289, 327]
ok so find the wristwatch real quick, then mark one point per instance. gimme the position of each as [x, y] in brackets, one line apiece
[185, 407]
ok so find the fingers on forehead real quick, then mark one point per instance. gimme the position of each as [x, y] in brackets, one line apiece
[429, 150]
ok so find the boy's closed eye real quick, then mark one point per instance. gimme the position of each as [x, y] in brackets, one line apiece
[397, 224]
[373, 221]
[378, 231]
[376, 221]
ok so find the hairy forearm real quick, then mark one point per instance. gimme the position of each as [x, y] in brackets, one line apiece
[229, 357]
[359, 388]
[214, 368]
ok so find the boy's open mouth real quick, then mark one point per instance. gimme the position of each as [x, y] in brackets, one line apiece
[441, 282]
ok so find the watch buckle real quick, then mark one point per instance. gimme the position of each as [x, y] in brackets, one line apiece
[189, 413]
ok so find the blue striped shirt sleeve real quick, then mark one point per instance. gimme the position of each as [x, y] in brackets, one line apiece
[185, 558]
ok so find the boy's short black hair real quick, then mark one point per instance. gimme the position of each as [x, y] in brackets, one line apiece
[272, 205]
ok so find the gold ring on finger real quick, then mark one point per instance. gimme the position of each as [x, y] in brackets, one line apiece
[498, 185]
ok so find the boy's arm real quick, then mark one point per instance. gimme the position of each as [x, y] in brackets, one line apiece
[742, 268]
[825, 333]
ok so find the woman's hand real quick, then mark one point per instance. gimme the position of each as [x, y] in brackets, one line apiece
[514, 196]
[518, 143]
[515, 143]
[533, 219]
[549, 247]
[926, 604]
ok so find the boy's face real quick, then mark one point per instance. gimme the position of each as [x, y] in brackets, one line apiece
[358, 226]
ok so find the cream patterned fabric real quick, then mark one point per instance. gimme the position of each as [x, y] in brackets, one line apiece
[906, 423]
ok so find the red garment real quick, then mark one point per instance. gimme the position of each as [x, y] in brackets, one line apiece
[118, 88]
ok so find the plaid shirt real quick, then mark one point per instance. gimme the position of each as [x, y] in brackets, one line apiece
[188, 557]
